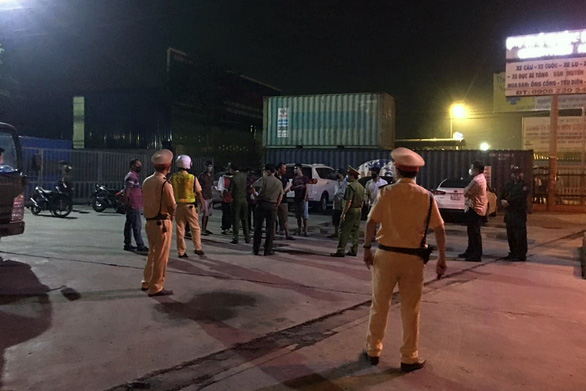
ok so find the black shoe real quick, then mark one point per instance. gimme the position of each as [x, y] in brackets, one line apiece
[463, 255]
[371, 359]
[162, 292]
[337, 255]
[184, 255]
[142, 249]
[412, 367]
[473, 260]
[234, 241]
[204, 233]
[144, 289]
[351, 254]
[255, 253]
[509, 257]
[207, 232]
[268, 253]
[129, 248]
[290, 238]
[199, 252]
[247, 241]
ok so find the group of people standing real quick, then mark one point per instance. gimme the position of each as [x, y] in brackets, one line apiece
[398, 220]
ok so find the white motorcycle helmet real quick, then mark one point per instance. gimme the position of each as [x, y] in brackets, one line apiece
[183, 161]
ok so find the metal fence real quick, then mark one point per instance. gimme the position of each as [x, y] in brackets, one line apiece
[570, 186]
[42, 167]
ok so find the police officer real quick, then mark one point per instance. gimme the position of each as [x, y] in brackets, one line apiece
[514, 200]
[402, 211]
[159, 209]
[350, 219]
[269, 196]
[185, 188]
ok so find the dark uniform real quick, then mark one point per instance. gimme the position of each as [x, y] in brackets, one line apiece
[239, 206]
[269, 196]
[516, 218]
[350, 226]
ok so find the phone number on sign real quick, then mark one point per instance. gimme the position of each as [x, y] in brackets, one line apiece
[553, 91]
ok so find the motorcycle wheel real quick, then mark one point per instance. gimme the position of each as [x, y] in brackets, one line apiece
[98, 204]
[35, 210]
[61, 206]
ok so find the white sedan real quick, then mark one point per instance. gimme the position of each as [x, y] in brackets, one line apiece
[449, 196]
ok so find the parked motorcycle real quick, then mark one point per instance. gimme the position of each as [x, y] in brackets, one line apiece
[60, 200]
[104, 197]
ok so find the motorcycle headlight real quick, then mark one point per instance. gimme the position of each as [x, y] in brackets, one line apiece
[17, 209]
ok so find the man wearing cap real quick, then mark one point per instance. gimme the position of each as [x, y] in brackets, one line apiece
[159, 210]
[239, 205]
[402, 210]
[206, 180]
[350, 219]
[269, 196]
[338, 201]
[475, 205]
[514, 200]
[186, 188]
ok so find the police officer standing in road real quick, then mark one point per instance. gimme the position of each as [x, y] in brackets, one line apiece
[159, 209]
[514, 200]
[239, 205]
[186, 188]
[350, 219]
[269, 196]
[403, 210]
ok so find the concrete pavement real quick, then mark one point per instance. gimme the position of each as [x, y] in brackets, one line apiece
[71, 304]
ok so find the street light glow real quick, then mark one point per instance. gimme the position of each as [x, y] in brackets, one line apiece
[458, 110]
[458, 136]
[484, 146]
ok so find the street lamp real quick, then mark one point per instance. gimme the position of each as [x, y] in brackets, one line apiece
[484, 146]
[458, 111]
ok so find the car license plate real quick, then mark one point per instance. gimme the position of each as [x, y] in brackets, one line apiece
[454, 197]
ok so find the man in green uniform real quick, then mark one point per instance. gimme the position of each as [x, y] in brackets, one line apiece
[350, 224]
[239, 205]
[514, 200]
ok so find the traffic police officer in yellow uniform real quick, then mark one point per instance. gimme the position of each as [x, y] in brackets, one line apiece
[159, 209]
[402, 212]
[350, 219]
[186, 187]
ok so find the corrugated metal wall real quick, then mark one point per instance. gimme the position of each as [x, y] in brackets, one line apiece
[450, 163]
[336, 158]
[352, 120]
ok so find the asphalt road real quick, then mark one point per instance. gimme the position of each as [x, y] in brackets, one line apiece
[73, 317]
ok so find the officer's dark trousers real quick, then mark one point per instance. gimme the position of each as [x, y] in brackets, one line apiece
[226, 219]
[239, 212]
[474, 250]
[268, 211]
[517, 236]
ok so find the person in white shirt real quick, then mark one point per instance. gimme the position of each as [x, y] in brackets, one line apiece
[373, 185]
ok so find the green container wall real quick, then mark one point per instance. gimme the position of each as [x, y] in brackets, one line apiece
[365, 120]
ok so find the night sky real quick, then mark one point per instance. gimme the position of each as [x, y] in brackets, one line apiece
[426, 54]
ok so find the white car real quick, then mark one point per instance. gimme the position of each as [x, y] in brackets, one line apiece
[449, 196]
[322, 186]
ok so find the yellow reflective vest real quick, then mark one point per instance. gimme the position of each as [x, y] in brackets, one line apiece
[183, 184]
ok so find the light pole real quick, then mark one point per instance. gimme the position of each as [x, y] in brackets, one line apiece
[457, 110]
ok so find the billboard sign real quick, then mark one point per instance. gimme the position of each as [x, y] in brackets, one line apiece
[546, 64]
[570, 134]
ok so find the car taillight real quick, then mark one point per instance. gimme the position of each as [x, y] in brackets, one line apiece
[18, 208]
[438, 192]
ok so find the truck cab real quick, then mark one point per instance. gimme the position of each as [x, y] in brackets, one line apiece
[12, 182]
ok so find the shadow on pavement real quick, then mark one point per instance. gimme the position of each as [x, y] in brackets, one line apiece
[25, 308]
